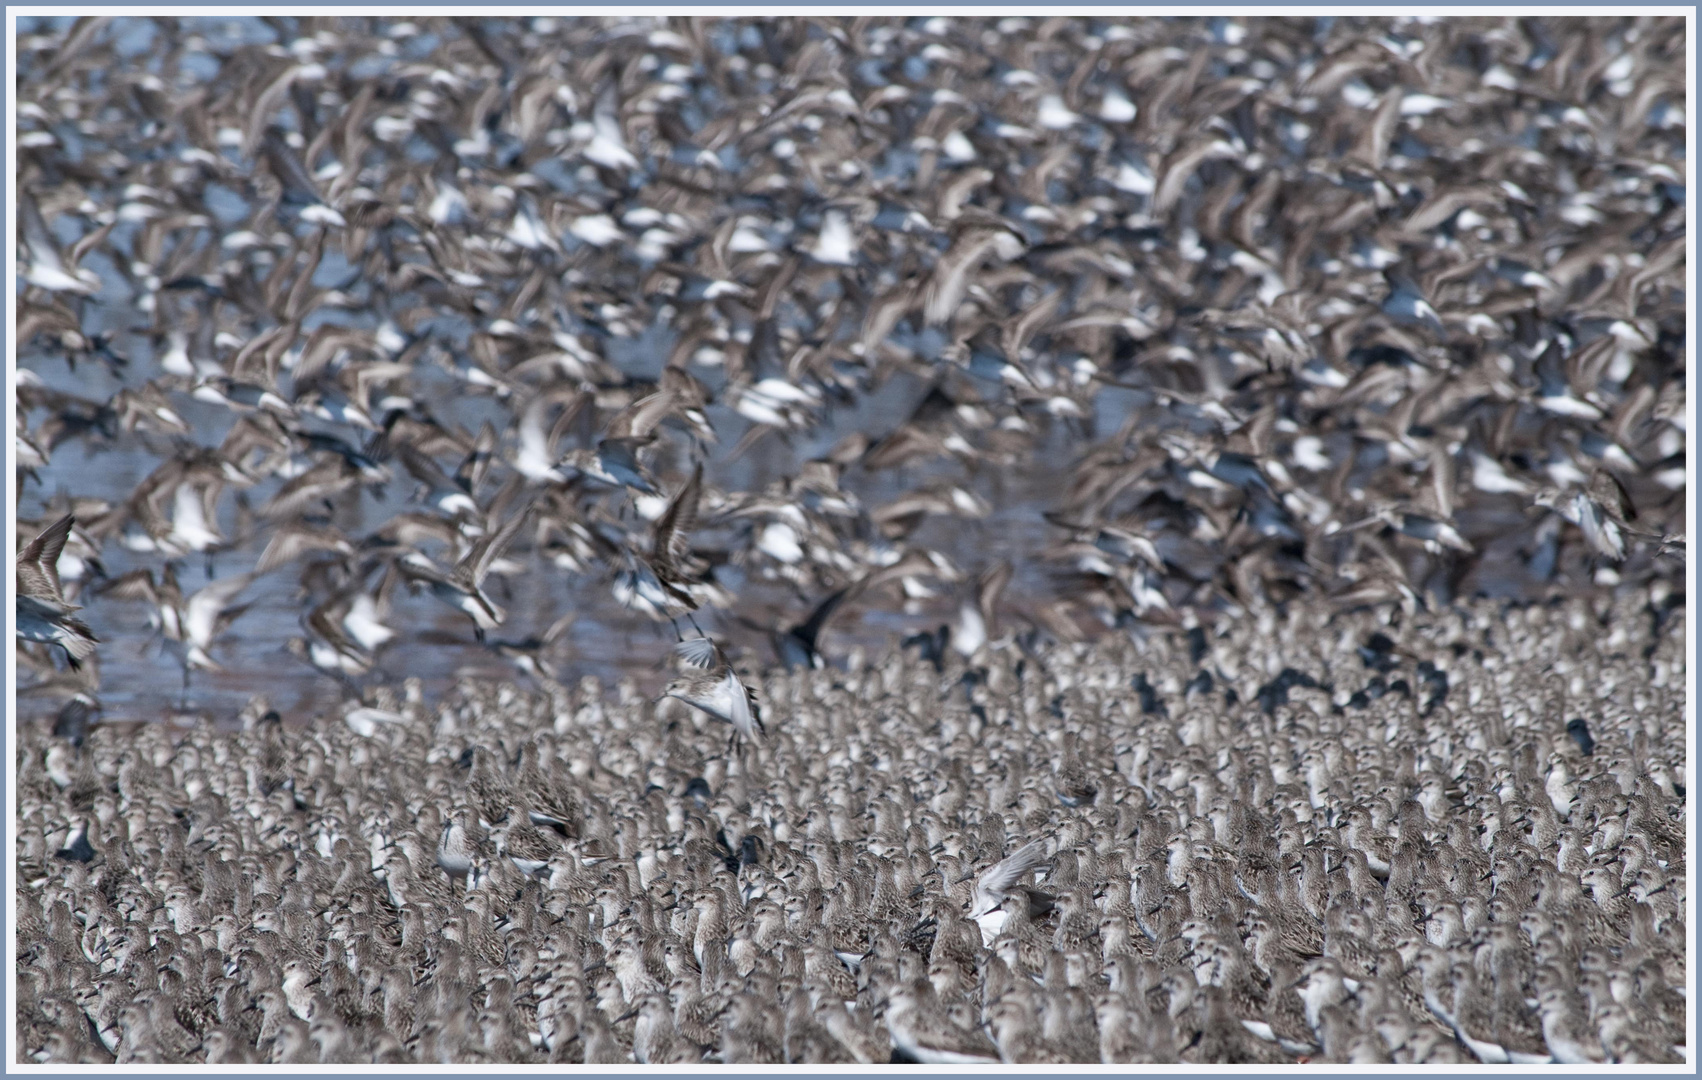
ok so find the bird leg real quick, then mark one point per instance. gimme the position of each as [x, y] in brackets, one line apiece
[693, 620]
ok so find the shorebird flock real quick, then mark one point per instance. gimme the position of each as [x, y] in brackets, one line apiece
[1304, 837]
[1369, 331]
[1384, 311]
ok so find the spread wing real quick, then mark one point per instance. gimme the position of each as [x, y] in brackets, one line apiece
[1604, 487]
[744, 713]
[950, 280]
[41, 557]
[638, 420]
[36, 235]
[698, 652]
[426, 470]
[418, 566]
[201, 615]
[674, 529]
[136, 585]
[531, 427]
[811, 628]
[478, 561]
[477, 463]
[998, 880]
[991, 587]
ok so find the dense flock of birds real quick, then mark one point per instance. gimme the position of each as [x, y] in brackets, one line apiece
[1380, 311]
[1315, 333]
[1292, 837]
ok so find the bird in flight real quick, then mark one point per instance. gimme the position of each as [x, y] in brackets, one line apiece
[43, 612]
[709, 683]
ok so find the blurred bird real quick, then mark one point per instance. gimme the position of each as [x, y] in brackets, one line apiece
[43, 614]
[463, 587]
[655, 583]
